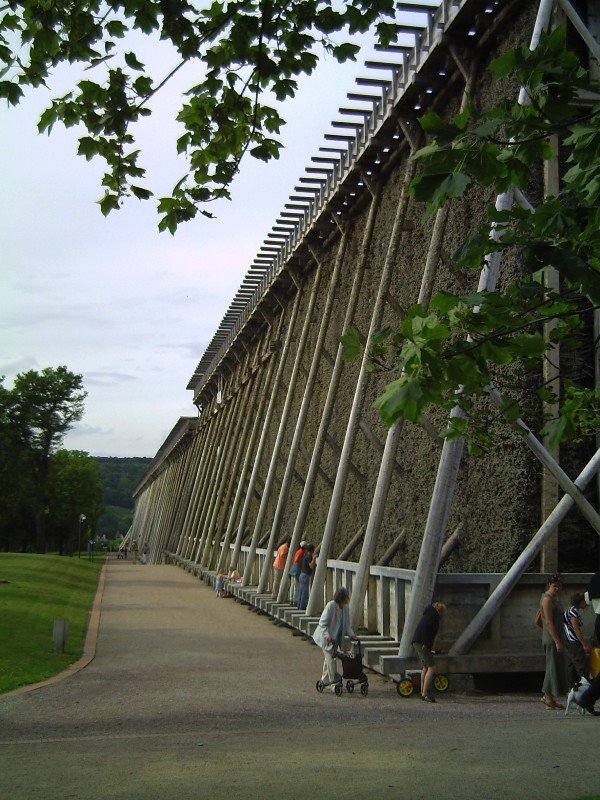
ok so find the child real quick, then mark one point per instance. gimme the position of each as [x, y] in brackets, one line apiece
[220, 585]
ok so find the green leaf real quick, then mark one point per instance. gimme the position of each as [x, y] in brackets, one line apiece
[502, 65]
[132, 61]
[141, 193]
[11, 92]
[88, 147]
[436, 189]
[402, 398]
[108, 203]
[351, 346]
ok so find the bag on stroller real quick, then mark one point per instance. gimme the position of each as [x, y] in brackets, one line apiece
[352, 664]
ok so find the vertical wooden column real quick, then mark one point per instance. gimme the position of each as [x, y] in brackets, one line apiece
[158, 488]
[226, 445]
[178, 497]
[171, 474]
[210, 424]
[203, 437]
[394, 434]
[386, 468]
[266, 422]
[334, 382]
[187, 489]
[249, 437]
[204, 478]
[325, 315]
[228, 403]
[283, 420]
[593, 15]
[445, 483]
[551, 377]
[315, 599]
[224, 477]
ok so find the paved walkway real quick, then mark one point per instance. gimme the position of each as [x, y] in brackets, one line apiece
[191, 696]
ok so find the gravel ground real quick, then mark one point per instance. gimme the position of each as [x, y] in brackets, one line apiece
[192, 696]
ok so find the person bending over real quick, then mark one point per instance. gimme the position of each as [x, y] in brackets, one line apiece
[422, 643]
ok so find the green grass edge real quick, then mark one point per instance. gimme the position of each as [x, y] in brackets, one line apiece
[39, 589]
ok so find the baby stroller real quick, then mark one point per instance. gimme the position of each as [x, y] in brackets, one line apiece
[352, 673]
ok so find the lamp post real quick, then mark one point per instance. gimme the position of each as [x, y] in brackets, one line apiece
[81, 519]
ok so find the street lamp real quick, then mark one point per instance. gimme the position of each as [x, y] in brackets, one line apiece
[81, 519]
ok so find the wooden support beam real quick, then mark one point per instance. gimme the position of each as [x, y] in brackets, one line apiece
[551, 378]
[320, 471]
[451, 543]
[487, 612]
[360, 391]
[352, 545]
[392, 549]
[376, 443]
[337, 449]
[284, 417]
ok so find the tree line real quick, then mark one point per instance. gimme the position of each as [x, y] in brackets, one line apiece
[119, 477]
[49, 494]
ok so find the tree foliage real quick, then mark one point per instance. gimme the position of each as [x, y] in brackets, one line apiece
[450, 353]
[74, 489]
[35, 415]
[246, 56]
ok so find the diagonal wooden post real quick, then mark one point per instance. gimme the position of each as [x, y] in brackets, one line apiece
[316, 594]
[232, 473]
[266, 423]
[388, 459]
[283, 422]
[314, 468]
[231, 446]
[477, 625]
[247, 452]
[445, 483]
[305, 405]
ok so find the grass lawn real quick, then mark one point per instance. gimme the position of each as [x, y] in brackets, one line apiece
[41, 589]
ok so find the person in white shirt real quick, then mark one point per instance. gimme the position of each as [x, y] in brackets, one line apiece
[333, 626]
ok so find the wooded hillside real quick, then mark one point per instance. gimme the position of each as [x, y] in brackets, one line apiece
[119, 477]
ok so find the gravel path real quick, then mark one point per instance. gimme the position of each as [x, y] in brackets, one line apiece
[192, 696]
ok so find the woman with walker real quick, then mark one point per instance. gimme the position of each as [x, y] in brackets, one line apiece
[333, 626]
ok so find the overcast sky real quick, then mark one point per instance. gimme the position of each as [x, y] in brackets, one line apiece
[130, 309]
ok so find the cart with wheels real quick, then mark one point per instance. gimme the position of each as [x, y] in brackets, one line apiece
[353, 672]
[412, 680]
[338, 685]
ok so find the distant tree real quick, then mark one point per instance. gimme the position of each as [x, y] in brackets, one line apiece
[74, 488]
[38, 411]
[120, 476]
[15, 479]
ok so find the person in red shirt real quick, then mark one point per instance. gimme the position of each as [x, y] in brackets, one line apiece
[295, 573]
[279, 563]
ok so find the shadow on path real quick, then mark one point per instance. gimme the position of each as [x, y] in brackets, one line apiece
[193, 696]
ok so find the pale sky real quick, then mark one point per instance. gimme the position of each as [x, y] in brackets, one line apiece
[129, 308]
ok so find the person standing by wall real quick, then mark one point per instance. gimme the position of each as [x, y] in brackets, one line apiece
[577, 648]
[554, 643]
[295, 573]
[333, 626]
[423, 639]
[307, 570]
[279, 563]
